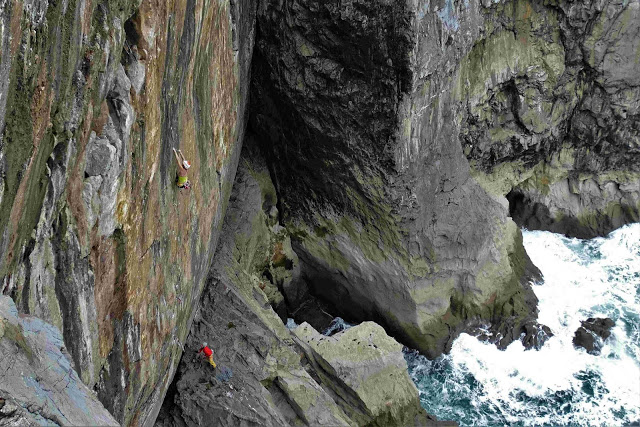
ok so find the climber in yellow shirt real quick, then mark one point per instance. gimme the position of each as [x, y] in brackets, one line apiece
[183, 165]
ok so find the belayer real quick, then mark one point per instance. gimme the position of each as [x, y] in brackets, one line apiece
[207, 353]
[183, 165]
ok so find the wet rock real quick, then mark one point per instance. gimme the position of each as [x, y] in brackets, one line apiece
[592, 334]
[583, 207]
[38, 385]
[534, 335]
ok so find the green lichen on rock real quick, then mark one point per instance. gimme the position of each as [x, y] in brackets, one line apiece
[509, 175]
[14, 333]
[379, 242]
[505, 53]
[366, 368]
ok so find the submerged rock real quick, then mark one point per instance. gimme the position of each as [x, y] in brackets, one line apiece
[592, 334]
[534, 335]
[38, 385]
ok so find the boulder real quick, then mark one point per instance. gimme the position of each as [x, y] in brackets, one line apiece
[592, 334]
[365, 368]
[100, 156]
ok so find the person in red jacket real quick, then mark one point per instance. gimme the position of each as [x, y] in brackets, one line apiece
[207, 353]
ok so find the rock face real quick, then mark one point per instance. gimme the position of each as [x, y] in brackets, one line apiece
[362, 107]
[38, 385]
[96, 237]
[365, 368]
[592, 334]
[392, 130]
[273, 382]
[554, 120]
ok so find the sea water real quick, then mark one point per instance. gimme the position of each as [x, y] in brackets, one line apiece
[477, 384]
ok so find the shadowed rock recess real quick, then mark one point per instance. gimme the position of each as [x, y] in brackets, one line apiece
[394, 148]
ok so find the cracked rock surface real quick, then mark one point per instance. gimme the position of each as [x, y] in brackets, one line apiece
[38, 385]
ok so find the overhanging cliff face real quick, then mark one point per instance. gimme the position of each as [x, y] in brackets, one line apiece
[96, 238]
[392, 129]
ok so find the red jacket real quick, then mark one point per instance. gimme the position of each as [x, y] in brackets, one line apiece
[207, 351]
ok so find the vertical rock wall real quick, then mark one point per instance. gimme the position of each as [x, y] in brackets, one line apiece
[358, 106]
[395, 129]
[96, 237]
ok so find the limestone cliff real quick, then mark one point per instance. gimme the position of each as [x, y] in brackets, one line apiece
[96, 238]
[395, 129]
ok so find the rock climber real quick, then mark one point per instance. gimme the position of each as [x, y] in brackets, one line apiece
[183, 165]
[207, 353]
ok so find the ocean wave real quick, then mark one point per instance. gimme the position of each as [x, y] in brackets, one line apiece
[477, 384]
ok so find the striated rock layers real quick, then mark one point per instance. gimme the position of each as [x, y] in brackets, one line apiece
[358, 377]
[394, 130]
[95, 237]
[38, 385]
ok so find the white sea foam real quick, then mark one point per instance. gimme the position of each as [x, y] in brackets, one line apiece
[559, 384]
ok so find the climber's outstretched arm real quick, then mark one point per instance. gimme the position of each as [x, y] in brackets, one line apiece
[177, 158]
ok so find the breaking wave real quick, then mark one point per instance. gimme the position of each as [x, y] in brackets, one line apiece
[477, 384]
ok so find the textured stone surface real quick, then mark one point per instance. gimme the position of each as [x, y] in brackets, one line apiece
[393, 131]
[96, 238]
[366, 368]
[273, 383]
[361, 108]
[560, 131]
[269, 385]
[38, 385]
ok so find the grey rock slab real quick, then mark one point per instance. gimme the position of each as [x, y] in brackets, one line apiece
[136, 73]
[311, 402]
[38, 376]
[364, 364]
